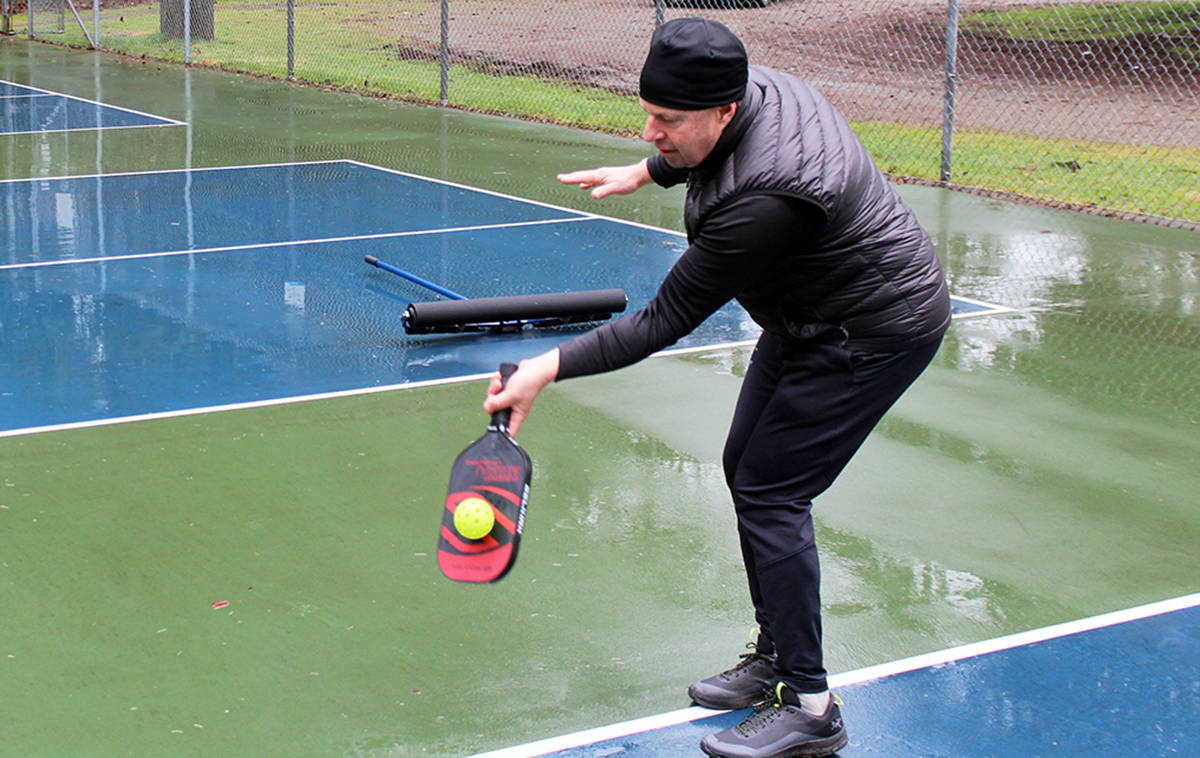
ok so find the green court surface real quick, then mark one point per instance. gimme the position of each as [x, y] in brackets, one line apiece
[262, 582]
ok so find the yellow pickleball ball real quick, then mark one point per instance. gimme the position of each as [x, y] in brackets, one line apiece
[474, 518]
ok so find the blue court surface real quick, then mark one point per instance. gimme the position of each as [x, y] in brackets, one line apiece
[28, 110]
[1122, 684]
[179, 290]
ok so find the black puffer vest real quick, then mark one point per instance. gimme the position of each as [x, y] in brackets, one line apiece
[870, 279]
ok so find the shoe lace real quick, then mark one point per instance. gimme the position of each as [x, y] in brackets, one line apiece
[747, 658]
[765, 711]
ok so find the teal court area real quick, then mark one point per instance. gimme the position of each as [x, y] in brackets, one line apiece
[226, 574]
[29, 110]
[1100, 674]
[232, 285]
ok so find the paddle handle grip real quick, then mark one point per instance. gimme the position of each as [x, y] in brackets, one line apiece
[501, 417]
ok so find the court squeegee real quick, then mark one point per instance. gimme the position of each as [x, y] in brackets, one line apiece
[502, 314]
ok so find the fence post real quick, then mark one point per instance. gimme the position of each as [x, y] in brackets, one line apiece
[659, 12]
[948, 106]
[187, 32]
[291, 39]
[445, 54]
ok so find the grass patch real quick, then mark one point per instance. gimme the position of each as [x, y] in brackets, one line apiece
[252, 39]
[1087, 22]
[1150, 181]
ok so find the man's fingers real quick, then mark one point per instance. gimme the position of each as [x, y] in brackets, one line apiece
[522, 388]
[609, 180]
[506, 399]
[496, 399]
[604, 190]
[584, 179]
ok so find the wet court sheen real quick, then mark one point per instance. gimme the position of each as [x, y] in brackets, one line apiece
[262, 581]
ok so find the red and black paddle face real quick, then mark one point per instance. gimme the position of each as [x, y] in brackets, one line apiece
[497, 471]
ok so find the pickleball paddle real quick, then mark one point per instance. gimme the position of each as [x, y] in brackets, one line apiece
[495, 470]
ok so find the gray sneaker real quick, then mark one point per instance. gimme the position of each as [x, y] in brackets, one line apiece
[742, 686]
[778, 728]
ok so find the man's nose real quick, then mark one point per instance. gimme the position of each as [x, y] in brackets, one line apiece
[651, 132]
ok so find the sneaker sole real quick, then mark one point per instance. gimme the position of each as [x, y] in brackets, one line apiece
[815, 749]
[726, 705]
[731, 704]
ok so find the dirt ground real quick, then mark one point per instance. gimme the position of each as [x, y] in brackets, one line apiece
[877, 59]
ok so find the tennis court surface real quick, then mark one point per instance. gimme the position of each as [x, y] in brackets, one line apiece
[245, 565]
[29, 110]
[245, 284]
[1035, 693]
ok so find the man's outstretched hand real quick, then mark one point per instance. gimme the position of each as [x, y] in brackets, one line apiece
[609, 180]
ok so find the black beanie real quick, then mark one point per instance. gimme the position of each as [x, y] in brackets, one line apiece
[694, 64]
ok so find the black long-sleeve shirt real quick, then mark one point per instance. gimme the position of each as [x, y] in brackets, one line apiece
[732, 254]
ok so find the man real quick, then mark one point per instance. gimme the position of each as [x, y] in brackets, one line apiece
[787, 214]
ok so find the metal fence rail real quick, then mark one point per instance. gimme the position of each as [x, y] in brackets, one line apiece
[1091, 105]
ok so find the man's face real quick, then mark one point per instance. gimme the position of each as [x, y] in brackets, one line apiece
[685, 138]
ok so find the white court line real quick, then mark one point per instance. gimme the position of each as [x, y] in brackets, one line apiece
[349, 162]
[360, 164]
[579, 216]
[685, 715]
[238, 406]
[92, 423]
[321, 396]
[24, 89]
[991, 309]
[504, 196]
[576, 215]
[90, 129]
[147, 172]
[753, 342]
[39, 90]
[286, 243]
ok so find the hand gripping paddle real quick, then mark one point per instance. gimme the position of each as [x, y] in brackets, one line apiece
[493, 474]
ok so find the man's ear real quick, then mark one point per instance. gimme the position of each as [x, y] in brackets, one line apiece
[725, 113]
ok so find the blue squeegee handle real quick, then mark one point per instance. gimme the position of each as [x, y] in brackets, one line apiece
[414, 278]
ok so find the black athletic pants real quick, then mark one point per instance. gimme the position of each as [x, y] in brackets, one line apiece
[802, 413]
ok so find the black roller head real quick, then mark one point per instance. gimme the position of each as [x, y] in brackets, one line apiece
[499, 313]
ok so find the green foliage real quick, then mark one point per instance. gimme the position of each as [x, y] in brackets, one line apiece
[1087, 22]
[1127, 178]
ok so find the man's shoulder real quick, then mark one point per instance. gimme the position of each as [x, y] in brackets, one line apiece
[765, 75]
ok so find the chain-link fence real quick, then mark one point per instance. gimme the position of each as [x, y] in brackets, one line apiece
[38, 16]
[1087, 105]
